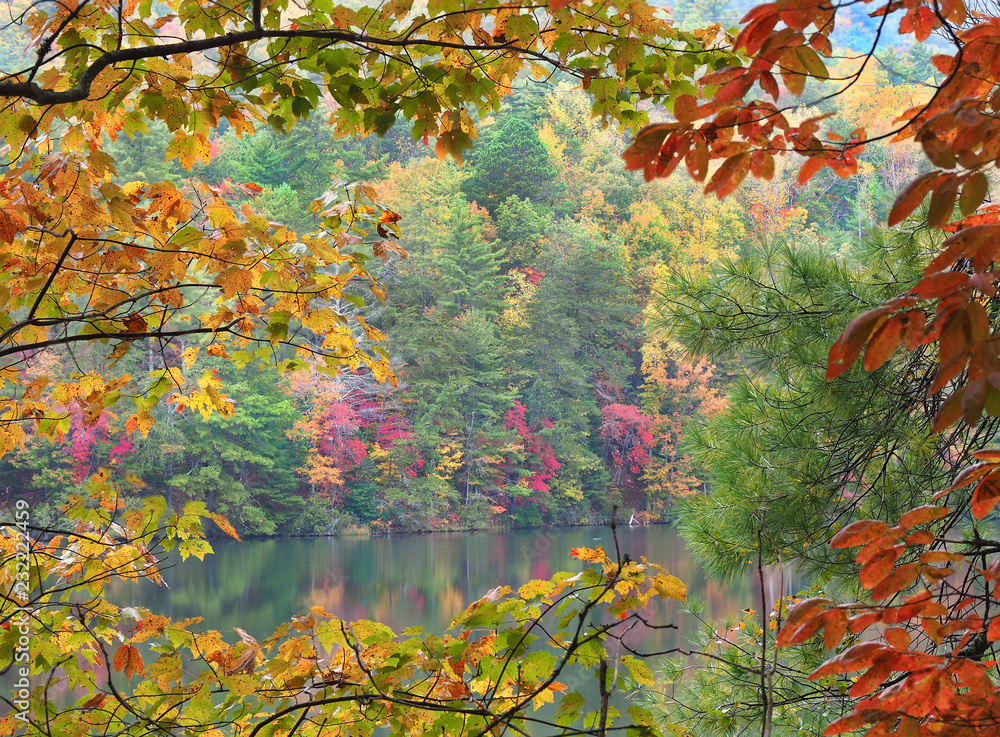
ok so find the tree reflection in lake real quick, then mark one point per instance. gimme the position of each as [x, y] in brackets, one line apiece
[410, 580]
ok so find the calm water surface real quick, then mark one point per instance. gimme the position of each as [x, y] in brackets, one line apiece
[410, 580]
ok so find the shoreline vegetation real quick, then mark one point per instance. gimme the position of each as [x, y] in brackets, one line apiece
[357, 530]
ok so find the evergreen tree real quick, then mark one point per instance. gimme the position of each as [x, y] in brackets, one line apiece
[794, 456]
[469, 263]
[570, 353]
[511, 162]
[143, 156]
[422, 193]
[520, 230]
[243, 466]
[456, 368]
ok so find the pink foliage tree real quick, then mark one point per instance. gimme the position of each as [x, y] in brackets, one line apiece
[535, 453]
[628, 439]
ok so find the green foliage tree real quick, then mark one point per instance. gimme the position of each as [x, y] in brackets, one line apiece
[513, 162]
[521, 228]
[570, 350]
[142, 156]
[793, 457]
[469, 263]
[243, 466]
[465, 392]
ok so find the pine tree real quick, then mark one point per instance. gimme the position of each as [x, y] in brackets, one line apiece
[521, 228]
[512, 162]
[570, 348]
[457, 370]
[794, 455]
[469, 264]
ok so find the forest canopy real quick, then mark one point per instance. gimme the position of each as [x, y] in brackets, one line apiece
[203, 322]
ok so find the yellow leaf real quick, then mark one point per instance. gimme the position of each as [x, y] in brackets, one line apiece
[535, 588]
[133, 188]
[223, 523]
[544, 697]
[190, 355]
[670, 587]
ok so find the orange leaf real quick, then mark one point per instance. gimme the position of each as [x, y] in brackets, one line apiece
[986, 495]
[883, 343]
[901, 578]
[813, 164]
[835, 629]
[859, 533]
[852, 340]
[973, 401]
[950, 411]
[686, 108]
[943, 201]
[921, 537]
[803, 620]
[898, 637]
[920, 515]
[964, 244]
[121, 658]
[911, 197]
[728, 176]
[875, 570]
[722, 76]
[224, 525]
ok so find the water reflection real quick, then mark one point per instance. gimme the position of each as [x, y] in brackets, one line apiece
[409, 580]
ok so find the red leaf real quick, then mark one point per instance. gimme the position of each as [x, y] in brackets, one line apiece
[859, 533]
[646, 147]
[883, 343]
[770, 85]
[754, 34]
[920, 515]
[986, 495]
[911, 197]
[875, 570]
[941, 284]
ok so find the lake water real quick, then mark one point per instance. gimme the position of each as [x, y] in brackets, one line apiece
[411, 580]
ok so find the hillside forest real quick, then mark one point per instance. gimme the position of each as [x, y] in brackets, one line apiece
[523, 311]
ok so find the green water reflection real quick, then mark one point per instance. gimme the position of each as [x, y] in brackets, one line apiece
[409, 580]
